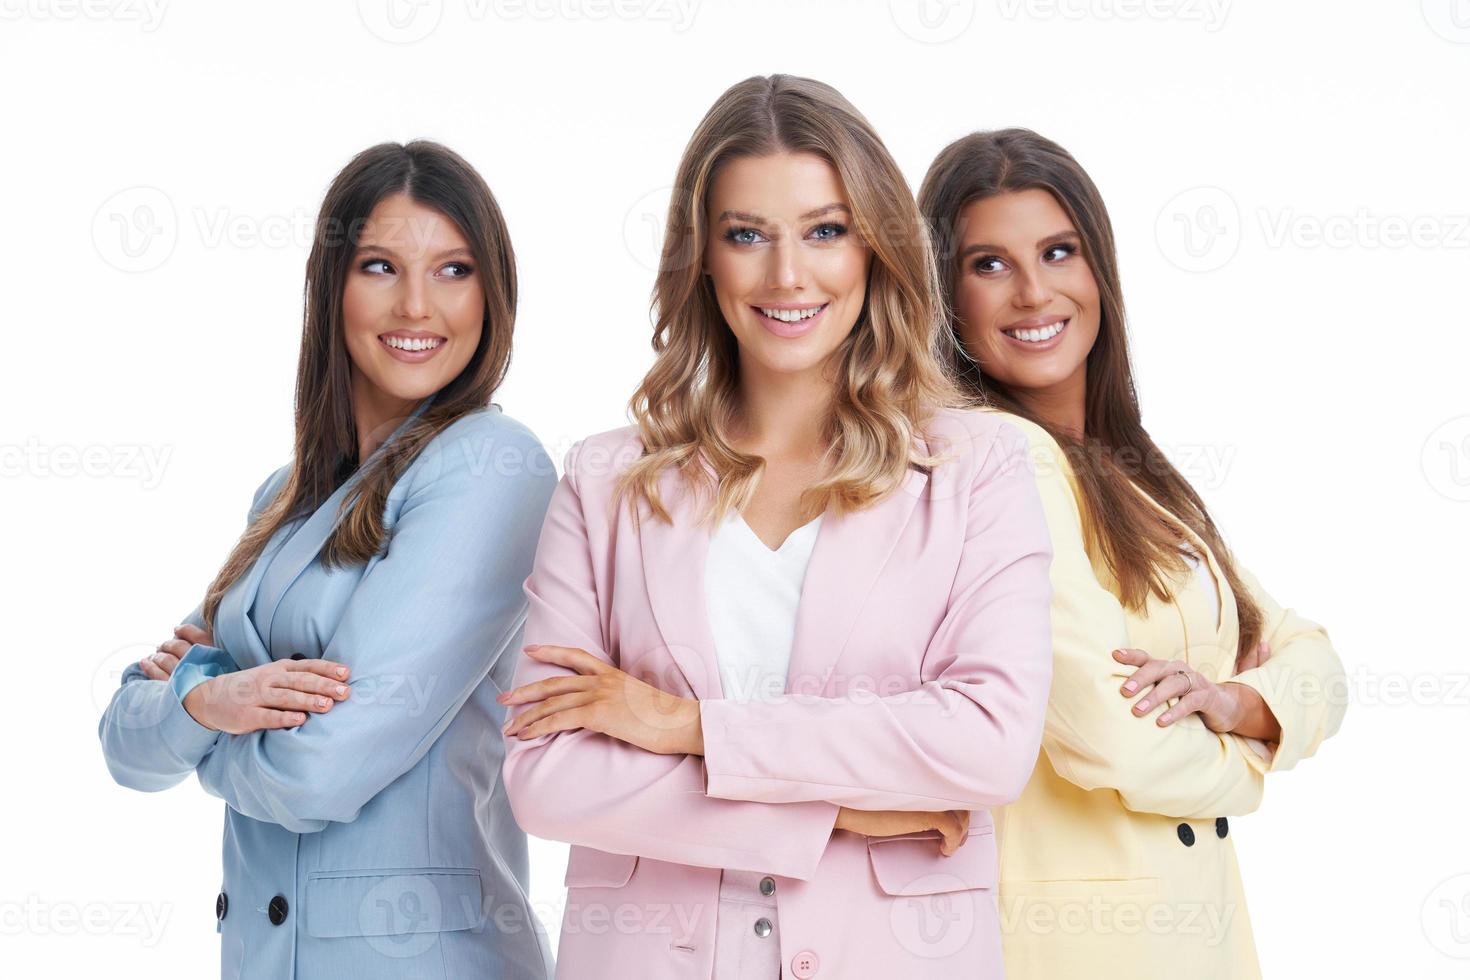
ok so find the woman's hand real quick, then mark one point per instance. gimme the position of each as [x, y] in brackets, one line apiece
[1222, 707]
[601, 698]
[953, 825]
[273, 695]
[159, 665]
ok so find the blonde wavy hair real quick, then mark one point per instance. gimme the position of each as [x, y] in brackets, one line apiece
[891, 377]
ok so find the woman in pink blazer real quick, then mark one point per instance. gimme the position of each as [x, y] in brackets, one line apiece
[789, 634]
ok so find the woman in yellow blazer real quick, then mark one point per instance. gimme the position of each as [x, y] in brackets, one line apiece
[1178, 682]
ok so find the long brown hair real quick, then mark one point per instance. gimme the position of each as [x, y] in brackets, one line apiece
[326, 438]
[891, 377]
[1134, 540]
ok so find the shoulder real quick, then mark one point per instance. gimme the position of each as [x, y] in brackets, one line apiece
[267, 491]
[602, 457]
[1050, 465]
[972, 442]
[485, 446]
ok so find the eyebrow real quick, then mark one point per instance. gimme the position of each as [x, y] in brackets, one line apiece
[756, 219]
[385, 250]
[1052, 239]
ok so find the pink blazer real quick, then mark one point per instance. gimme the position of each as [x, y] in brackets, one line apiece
[918, 681]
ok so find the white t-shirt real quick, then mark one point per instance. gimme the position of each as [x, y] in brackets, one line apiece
[751, 596]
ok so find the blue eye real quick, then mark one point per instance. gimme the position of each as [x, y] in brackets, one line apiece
[828, 231]
[742, 236]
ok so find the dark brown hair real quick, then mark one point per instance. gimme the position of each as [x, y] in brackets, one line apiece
[326, 438]
[1115, 451]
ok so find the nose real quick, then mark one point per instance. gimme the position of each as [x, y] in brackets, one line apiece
[1032, 290]
[412, 299]
[785, 270]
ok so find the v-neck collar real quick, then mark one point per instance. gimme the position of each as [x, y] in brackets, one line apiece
[792, 540]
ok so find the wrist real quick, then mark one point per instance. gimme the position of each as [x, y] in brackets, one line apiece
[691, 741]
[196, 703]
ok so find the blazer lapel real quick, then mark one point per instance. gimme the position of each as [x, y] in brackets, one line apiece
[233, 630]
[1222, 587]
[305, 542]
[849, 553]
[674, 557]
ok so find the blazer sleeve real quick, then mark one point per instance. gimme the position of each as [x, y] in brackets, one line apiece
[1302, 682]
[148, 740]
[421, 631]
[1092, 739]
[967, 737]
[587, 788]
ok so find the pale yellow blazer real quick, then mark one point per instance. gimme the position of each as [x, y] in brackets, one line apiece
[1117, 860]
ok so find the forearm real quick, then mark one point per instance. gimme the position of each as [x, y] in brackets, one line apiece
[149, 741]
[936, 748]
[1255, 718]
[587, 788]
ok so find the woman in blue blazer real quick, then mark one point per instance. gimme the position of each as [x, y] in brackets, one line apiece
[337, 685]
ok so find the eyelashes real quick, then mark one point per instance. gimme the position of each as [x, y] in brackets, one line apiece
[1068, 249]
[833, 230]
[366, 265]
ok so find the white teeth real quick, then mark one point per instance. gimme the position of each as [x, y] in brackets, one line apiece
[405, 343]
[1036, 336]
[791, 316]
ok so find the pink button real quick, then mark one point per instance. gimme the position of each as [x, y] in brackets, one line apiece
[804, 965]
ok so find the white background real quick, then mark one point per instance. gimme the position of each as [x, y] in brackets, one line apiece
[1287, 182]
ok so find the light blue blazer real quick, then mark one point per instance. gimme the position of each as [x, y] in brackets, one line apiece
[374, 840]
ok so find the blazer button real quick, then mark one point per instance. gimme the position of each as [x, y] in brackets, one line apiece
[277, 910]
[1186, 834]
[1222, 826]
[768, 886]
[763, 927]
[221, 905]
[804, 965]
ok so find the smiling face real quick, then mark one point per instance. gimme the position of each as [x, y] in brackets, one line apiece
[412, 306]
[788, 272]
[1026, 301]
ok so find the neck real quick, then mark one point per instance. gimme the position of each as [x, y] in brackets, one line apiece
[782, 414]
[1062, 406]
[376, 414]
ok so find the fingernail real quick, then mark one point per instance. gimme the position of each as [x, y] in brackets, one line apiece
[321, 702]
[1166, 719]
[341, 671]
[533, 646]
[342, 690]
[1143, 706]
[1131, 686]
